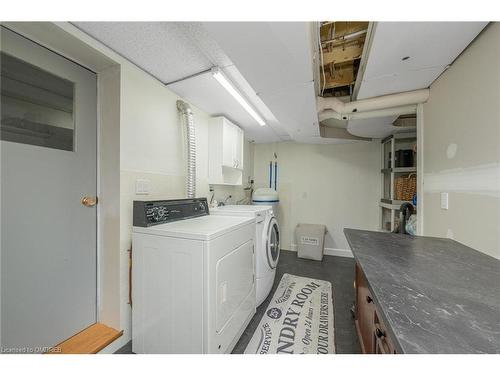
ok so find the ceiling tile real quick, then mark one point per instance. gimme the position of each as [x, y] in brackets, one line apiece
[271, 55]
[295, 109]
[161, 48]
[407, 81]
[207, 94]
[431, 46]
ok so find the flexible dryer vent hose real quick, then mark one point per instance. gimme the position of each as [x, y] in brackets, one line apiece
[187, 115]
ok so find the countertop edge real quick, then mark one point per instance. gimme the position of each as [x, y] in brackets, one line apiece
[381, 309]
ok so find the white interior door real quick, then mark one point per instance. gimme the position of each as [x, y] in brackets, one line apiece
[48, 163]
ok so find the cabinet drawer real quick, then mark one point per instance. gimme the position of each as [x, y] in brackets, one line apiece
[382, 342]
[372, 332]
[365, 313]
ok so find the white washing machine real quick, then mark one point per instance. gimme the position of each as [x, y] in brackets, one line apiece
[267, 245]
[193, 278]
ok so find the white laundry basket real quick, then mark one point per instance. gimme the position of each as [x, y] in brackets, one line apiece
[310, 239]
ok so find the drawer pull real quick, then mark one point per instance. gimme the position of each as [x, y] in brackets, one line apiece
[369, 299]
[379, 333]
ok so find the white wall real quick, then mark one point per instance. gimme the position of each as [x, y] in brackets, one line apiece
[336, 185]
[152, 137]
[462, 148]
[152, 147]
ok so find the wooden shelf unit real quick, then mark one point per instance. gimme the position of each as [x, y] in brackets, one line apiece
[389, 206]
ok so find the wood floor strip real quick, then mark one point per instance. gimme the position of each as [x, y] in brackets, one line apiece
[89, 341]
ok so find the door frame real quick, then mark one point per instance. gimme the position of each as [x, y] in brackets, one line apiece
[60, 38]
[420, 169]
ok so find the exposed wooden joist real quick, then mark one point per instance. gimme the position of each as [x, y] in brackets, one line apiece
[342, 45]
[343, 76]
[342, 54]
[348, 27]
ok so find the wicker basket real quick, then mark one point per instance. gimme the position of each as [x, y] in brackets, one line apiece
[405, 187]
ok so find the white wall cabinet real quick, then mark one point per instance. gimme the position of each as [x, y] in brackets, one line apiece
[232, 143]
[225, 164]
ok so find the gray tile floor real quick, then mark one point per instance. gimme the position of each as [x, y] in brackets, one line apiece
[339, 271]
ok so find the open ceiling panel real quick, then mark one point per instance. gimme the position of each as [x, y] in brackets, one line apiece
[341, 49]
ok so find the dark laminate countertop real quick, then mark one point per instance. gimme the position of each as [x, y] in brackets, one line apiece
[434, 294]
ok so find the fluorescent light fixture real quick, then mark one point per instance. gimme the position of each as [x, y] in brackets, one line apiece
[217, 74]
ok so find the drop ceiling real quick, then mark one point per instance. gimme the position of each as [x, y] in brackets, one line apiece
[431, 48]
[172, 51]
[271, 63]
[276, 60]
[161, 48]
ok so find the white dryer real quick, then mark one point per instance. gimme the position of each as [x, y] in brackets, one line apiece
[193, 278]
[267, 243]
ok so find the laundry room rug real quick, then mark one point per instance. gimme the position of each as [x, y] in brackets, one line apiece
[298, 320]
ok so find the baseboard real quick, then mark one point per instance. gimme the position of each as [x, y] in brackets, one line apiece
[328, 251]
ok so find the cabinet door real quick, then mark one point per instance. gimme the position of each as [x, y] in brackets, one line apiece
[228, 144]
[365, 313]
[238, 148]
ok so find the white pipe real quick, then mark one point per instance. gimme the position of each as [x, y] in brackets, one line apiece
[187, 114]
[332, 104]
[403, 110]
[372, 104]
[341, 39]
[396, 111]
[328, 114]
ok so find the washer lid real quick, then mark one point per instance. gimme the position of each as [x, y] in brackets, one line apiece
[241, 208]
[203, 228]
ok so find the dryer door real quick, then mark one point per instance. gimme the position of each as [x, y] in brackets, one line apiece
[273, 243]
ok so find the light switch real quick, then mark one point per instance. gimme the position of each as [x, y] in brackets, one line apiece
[444, 201]
[142, 187]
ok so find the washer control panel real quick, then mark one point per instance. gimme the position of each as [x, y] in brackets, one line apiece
[148, 213]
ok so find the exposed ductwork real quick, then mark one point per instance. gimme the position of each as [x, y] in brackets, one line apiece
[334, 108]
[187, 115]
[334, 113]
[396, 111]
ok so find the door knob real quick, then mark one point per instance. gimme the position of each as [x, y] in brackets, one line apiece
[89, 201]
